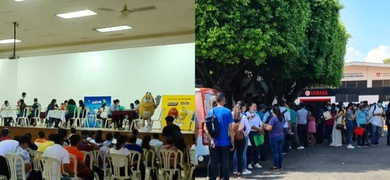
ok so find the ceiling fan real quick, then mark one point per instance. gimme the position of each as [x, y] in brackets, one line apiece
[125, 10]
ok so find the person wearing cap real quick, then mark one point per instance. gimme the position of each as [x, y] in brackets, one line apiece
[5, 134]
[377, 113]
[361, 121]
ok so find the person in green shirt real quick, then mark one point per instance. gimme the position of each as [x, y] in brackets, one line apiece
[72, 109]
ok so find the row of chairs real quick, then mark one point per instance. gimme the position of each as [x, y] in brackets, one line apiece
[111, 165]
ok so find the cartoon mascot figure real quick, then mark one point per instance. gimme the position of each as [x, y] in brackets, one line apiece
[147, 107]
[182, 115]
[173, 112]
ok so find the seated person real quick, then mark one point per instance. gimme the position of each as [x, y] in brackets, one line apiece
[132, 146]
[146, 145]
[72, 109]
[83, 171]
[41, 138]
[56, 151]
[120, 149]
[20, 150]
[171, 146]
[34, 109]
[30, 144]
[46, 144]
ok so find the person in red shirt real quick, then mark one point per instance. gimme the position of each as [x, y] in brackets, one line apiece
[5, 134]
[82, 170]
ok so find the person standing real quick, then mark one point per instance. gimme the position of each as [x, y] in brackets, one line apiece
[303, 113]
[377, 113]
[312, 130]
[350, 125]
[221, 144]
[255, 123]
[276, 136]
[336, 132]
[239, 138]
[361, 120]
[247, 129]
[287, 124]
[294, 120]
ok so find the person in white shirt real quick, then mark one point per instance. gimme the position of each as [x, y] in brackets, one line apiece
[58, 152]
[155, 142]
[302, 113]
[7, 120]
[20, 150]
[255, 123]
[91, 137]
[23, 96]
[6, 145]
[376, 113]
[120, 149]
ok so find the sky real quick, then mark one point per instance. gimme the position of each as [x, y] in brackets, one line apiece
[368, 24]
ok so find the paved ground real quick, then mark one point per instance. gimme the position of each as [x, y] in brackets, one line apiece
[329, 163]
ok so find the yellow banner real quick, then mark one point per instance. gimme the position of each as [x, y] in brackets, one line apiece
[181, 107]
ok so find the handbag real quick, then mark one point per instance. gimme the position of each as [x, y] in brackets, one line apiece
[339, 126]
[359, 131]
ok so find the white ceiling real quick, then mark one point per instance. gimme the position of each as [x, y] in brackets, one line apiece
[40, 29]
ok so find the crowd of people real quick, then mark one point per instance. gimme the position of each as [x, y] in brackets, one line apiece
[61, 145]
[70, 106]
[251, 134]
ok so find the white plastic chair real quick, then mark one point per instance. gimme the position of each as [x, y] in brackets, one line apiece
[85, 117]
[116, 160]
[76, 117]
[191, 163]
[150, 156]
[74, 159]
[135, 163]
[13, 162]
[91, 162]
[168, 168]
[37, 117]
[36, 155]
[101, 162]
[24, 119]
[48, 164]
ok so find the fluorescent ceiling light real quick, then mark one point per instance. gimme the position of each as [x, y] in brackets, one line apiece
[115, 28]
[7, 41]
[18, 0]
[77, 14]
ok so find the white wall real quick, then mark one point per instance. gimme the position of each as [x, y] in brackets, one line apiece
[124, 74]
[8, 84]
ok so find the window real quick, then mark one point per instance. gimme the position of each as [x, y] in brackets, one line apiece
[381, 83]
[384, 97]
[347, 98]
[341, 98]
[353, 84]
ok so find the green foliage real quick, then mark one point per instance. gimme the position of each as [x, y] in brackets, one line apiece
[386, 61]
[291, 44]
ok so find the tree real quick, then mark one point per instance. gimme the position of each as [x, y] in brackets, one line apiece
[291, 44]
[386, 61]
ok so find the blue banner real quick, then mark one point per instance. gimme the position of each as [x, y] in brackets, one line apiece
[94, 103]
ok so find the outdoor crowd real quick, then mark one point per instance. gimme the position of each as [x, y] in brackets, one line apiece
[251, 134]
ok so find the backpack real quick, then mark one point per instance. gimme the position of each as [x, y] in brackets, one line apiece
[238, 135]
[213, 125]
